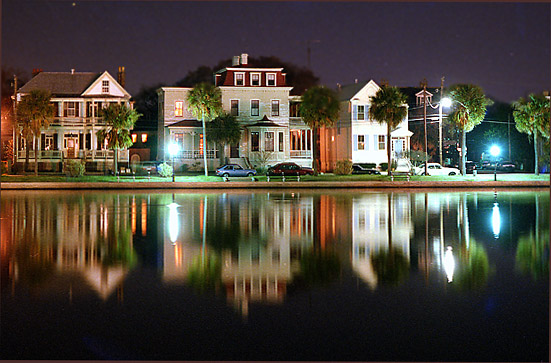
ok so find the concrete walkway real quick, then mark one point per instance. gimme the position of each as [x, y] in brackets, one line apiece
[398, 184]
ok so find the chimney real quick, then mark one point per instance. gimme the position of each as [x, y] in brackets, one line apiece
[121, 76]
[36, 71]
[72, 71]
[235, 61]
[356, 80]
[244, 59]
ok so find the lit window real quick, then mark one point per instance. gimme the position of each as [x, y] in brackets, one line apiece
[144, 138]
[275, 107]
[269, 141]
[105, 86]
[255, 79]
[361, 142]
[239, 79]
[255, 107]
[134, 138]
[361, 111]
[179, 108]
[271, 79]
[381, 142]
[234, 107]
[254, 141]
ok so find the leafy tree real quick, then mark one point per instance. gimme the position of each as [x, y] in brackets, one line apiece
[224, 130]
[388, 106]
[146, 102]
[35, 112]
[532, 118]
[205, 103]
[532, 256]
[469, 109]
[120, 119]
[319, 108]
[203, 74]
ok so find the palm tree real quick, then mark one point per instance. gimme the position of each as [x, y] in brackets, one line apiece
[388, 106]
[35, 112]
[224, 130]
[319, 108]
[532, 118]
[120, 119]
[205, 102]
[469, 110]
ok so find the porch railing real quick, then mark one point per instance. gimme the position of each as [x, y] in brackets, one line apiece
[88, 155]
[196, 154]
[301, 154]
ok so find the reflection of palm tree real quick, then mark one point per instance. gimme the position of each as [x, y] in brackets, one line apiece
[319, 267]
[116, 249]
[533, 255]
[474, 268]
[33, 264]
[205, 272]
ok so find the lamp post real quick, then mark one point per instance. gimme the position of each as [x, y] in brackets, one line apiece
[495, 151]
[173, 149]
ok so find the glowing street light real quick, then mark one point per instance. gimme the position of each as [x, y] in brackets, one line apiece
[173, 149]
[495, 151]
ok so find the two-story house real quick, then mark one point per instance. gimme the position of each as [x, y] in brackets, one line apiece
[77, 96]
[259, 99]
[354, 136]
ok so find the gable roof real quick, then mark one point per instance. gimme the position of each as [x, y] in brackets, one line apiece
[61, 83]
[187, 123]
[265, 122]
[346, 92]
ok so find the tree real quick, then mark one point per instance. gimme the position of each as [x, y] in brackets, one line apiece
[388, 106]
[532, 118]
[469, 109]
[205, 102]
[224, 130]
[35, 111]
[120, 119]
[319, 108]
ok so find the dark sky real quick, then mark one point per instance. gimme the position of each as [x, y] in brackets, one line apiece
[503, 47]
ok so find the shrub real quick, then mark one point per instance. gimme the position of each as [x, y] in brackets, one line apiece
[4, 167]
[261, 170]
[343, 167]
[74, 168]
[165, 170]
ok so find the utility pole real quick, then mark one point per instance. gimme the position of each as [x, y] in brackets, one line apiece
[14, 122]
[424, 84]
[440, 119]
[509, 132]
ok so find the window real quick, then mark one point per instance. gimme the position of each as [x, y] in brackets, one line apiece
[269, 141]
[255, 107]
[382, 142]
[70, 109]
[105, 86]
[144, 138]
[275, 107]
[271, 79]
[361, 142]
[294, 109]
[281, 142]
[254, 141]
[179, 108]
[134, 138]
[361, 112]
[234, 104]
[239, 79]
[48, 142]
[255, 79]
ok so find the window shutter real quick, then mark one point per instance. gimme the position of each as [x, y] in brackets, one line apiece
[375, 142]
[42, 141]
[81, 141]
[55, 142]
[354, 112]
[366, 137]
[64, 109]
[366, 110]
[77, 109]
[355, 142]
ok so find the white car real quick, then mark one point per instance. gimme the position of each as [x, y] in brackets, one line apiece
[436, 169]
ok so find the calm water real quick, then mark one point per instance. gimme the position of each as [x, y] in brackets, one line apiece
[275, 276]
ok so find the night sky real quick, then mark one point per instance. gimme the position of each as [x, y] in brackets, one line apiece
[503, 47]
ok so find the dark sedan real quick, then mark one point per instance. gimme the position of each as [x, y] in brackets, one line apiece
[507, 166]
[289, 169]
[358, 169]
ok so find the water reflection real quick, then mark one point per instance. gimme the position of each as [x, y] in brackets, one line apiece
[251, 247]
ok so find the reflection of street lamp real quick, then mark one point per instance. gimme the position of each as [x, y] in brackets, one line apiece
[495, 151]
[173, 224]
[449, 263]
[173, 149]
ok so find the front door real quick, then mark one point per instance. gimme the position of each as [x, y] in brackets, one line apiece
[71, 145]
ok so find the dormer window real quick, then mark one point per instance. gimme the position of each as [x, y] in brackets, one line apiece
[420, 98]
[271, 79]
[239, 79]
[105, 86]
[255, 79]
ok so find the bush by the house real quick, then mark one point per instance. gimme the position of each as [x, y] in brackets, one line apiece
[74, 168]
[343, 167]
[165, 170]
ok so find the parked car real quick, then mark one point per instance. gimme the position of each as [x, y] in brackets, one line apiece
[289, 169]
[436, 169]
[145, 167]
[359, 169]
[508, 166]
[234, 170]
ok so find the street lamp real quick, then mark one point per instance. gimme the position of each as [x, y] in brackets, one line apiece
[173, 149]
[495, 151]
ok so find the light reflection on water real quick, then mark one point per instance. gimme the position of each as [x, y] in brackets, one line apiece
[265, 248]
